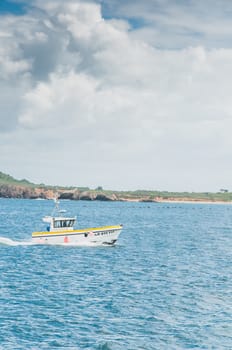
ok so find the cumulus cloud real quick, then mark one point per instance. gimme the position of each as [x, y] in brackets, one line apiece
[92, 95]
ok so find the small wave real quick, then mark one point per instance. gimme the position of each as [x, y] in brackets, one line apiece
[11, 242]
[104, 346]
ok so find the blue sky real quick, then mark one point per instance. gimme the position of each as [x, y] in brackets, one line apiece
[11, 7]
[119, 94]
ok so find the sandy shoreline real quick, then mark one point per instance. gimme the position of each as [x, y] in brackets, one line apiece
[178, 200]
[191, 201]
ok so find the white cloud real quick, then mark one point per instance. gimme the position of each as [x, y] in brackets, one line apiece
[90, 98]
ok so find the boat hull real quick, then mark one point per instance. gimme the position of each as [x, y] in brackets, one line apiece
[106, 235]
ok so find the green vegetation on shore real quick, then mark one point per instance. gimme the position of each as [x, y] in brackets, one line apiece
[13, 188]
[152, 195]
[6, 179]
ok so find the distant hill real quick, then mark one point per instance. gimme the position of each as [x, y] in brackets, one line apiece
[13, 188]
[6, 179]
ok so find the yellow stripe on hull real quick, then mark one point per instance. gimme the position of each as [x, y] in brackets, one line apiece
[71, 232]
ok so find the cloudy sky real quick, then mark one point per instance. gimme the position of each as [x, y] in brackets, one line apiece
[117, 93]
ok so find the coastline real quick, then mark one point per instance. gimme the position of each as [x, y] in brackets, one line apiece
[12, 188]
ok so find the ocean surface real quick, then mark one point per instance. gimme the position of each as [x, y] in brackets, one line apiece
[167, 284]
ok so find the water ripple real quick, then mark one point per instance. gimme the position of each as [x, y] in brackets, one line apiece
[166, 285]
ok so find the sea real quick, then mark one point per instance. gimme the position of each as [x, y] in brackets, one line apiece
[167, 284]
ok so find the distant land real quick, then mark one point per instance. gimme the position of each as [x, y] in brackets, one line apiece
[13, 188]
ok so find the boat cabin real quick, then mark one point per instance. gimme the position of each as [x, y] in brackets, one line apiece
[59, 223]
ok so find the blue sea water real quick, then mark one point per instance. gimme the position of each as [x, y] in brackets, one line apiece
[167, 284]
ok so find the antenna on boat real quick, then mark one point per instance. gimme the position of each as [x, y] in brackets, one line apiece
[56, 202]
[57, 208]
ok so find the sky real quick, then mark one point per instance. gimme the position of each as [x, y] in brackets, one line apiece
[121, 94]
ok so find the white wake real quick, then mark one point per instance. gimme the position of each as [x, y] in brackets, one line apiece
[11, 242]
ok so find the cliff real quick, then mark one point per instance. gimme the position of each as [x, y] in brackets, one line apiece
[29, 192]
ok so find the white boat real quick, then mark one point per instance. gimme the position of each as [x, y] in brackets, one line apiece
[60, 230]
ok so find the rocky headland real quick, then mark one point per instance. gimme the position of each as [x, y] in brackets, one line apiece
[16, 191]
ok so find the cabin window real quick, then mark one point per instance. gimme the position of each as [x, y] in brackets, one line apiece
[63, 223]
[57, 224]
[69, 223]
